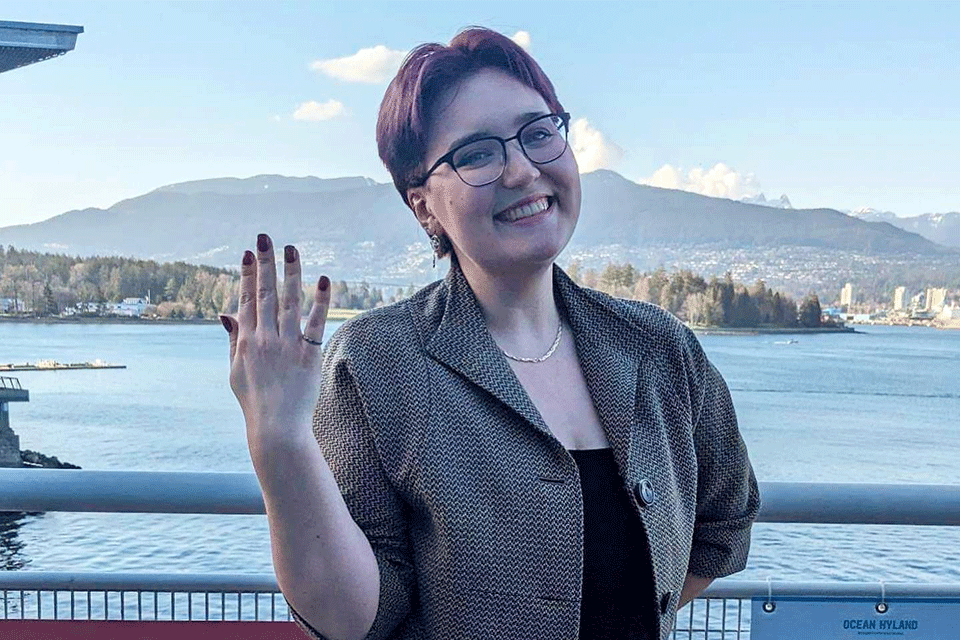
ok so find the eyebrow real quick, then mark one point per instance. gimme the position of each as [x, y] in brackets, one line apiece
[519, 121]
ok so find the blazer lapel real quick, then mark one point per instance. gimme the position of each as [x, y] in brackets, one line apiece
[462, 342]
[609, 356]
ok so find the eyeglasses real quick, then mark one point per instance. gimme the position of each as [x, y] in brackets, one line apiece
[481, 162]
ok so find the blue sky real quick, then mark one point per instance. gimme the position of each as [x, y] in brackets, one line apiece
[842, 105]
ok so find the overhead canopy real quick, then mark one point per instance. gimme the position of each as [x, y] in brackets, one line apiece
[23, 43]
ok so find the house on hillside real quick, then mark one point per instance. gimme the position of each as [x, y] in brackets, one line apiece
[11, 305]
[129, 307]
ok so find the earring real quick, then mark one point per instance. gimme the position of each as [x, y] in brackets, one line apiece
[435, 243]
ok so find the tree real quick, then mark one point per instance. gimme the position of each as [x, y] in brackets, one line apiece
[170, 290]
[49, 304]
[809, 314]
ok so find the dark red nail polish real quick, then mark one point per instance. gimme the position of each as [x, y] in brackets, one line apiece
[248, 258]
[324, 283]
[226, 323]
[263, 243]
[289, 253]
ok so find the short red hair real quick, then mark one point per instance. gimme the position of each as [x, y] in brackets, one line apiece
[426, 73]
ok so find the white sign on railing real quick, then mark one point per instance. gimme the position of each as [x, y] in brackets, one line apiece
[791, 618]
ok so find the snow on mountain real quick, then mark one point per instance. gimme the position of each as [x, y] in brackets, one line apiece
[783, 202]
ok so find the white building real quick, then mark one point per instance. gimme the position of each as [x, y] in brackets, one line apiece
[846, 295]
[949, 312]
[935, 299]
[129, 307]
[11, 305]
[900, 299]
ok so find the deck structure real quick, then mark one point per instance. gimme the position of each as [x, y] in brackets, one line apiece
[23, 43]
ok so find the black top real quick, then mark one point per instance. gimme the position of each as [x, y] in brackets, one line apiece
[618, 592]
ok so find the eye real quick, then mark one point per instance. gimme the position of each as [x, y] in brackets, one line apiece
[538, 135]
[476, 155]
[472, 158]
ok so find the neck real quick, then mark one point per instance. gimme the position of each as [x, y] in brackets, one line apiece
[520, 308]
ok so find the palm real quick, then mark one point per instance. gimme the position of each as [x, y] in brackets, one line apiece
[274, 368]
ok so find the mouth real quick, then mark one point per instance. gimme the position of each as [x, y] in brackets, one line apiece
[526, 210]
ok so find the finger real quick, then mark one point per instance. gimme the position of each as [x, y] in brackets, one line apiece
[247, 308]
[292, 295]
[231, 326]
[317, 319]
[266, 286]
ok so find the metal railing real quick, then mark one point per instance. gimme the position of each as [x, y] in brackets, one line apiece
[8, 382]
[722, 611]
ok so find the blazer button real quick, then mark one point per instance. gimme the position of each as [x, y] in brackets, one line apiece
[645, 493]
[665, 602]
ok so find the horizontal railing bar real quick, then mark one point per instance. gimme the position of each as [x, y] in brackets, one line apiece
[855, 503]
[267, 583]
[129, 491]
[239, 493]
[163, 582]
[729, 588]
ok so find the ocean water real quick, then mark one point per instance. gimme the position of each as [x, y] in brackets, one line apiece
[882, 405]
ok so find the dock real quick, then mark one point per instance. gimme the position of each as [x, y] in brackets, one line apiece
[53, 365]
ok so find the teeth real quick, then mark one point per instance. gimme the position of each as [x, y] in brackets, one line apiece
[525, 211]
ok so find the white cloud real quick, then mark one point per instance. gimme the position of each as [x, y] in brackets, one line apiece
[314, 111]
[277, 118]
[591, 148]
[720, 181]
[522, 38]
[372, 65]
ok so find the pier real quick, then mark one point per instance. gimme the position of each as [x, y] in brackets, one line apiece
[10, 391]
[53, 365]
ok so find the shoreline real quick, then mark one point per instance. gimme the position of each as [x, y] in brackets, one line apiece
[749, 331]
[332, 314]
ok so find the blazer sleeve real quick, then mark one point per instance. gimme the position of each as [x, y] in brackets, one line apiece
[342, 429]
[728, 498]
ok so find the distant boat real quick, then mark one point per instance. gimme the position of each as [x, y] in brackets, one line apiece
[791, 341]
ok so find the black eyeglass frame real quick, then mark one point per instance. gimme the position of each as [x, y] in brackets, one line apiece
[447, 158]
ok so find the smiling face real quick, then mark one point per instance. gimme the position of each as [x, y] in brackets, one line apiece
[520, 222]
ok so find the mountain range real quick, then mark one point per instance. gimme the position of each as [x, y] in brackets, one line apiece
[942, 228]
[357, 229]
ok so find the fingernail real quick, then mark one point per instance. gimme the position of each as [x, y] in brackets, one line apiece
[289, 253]
[263, 243]
[248, 258]
[226, 323]
[324, 283]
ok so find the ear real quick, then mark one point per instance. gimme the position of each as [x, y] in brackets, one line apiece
[418, 203]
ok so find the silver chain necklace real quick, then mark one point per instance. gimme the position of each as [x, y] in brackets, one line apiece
[553, 347]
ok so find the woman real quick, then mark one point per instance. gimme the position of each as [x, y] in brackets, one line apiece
[504, 454]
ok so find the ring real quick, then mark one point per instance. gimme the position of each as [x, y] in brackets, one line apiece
[314, 342]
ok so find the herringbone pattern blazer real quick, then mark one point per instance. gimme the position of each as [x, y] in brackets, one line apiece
[472, 507]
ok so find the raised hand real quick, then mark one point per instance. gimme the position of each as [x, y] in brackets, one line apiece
[274, 367]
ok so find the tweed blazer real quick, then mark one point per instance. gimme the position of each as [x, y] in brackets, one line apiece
[474, 509]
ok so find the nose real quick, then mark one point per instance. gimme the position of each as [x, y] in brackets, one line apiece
[518, 170]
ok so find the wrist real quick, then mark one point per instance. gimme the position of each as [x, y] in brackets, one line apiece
[280, 448]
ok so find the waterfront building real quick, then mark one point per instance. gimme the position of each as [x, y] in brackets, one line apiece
[936, 299]
[846, 295]
[949, 313]
[12, 305]
[900, 299]
[918, 302]
[130, 307]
